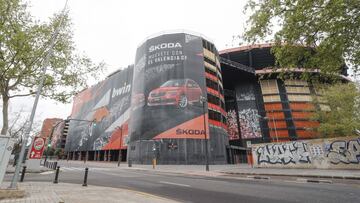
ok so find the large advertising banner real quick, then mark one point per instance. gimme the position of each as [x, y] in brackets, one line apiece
[103, 109]
[168, 86]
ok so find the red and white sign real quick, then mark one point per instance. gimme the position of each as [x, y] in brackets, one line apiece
[37, 148]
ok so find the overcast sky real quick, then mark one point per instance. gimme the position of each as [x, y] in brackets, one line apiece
[111, 30]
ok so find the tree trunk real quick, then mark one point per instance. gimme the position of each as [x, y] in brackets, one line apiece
[5, 115]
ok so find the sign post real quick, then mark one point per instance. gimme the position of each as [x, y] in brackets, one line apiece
[37, 148]
[6, 147]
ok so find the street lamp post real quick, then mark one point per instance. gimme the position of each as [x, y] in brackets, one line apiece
[120, 156]
[203, 101]
[48, 55]
[92, 123]
[50, 138]
[274, 123]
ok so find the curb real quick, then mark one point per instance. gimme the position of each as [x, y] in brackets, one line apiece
[12, 172]
[296, 175]
[314, 181]
[259, 177]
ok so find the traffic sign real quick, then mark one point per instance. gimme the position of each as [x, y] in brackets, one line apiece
[37, 148]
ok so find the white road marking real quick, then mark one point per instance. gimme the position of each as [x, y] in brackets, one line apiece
[177, 184]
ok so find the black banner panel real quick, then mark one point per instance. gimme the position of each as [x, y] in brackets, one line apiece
[168, 86]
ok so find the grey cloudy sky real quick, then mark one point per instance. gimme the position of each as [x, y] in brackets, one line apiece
[111, 30]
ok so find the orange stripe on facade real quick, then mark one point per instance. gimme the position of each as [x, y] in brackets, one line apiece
[192, 129]
[120, 133]
[211, 77]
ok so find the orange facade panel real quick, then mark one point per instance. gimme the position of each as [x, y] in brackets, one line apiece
[277, 124]
[275, 115]
[306, 124]
[302, 115]
[301, 106]
[273, 106]
[303, 134]
[279, 134]
[211, 77]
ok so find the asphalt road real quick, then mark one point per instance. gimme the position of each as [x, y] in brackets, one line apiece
[190, 188]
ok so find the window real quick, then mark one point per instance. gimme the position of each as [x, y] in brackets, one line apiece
[209, 55]
[302, 98]
[210, 62]
[213, 115]
[296, 83]
[297, 89]
[212, 99]
[269, 87]
[210, 71]
[271, 98]
[212, 84]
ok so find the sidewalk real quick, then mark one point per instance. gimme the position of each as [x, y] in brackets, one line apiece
[11, 169]
[41, 192]
[242, 169]
[239, 169]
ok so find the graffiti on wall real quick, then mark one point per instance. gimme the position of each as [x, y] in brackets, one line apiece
[284, 153]
[318, 153]
[249, 123]
[248, 112]
[346, 152]
[232, 125]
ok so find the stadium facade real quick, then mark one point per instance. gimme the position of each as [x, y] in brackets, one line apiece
[182, 96]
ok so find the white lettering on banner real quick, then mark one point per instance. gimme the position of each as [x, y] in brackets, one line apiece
[122, 90]
[169, 45]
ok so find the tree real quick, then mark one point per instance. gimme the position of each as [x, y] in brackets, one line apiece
[312, 34]
[24, 43]
[343, 117]
[18, 125]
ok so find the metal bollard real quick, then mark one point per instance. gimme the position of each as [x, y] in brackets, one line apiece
[57, 175]
[154, 163]
[55, 165]
[85, 177]
[23, 174]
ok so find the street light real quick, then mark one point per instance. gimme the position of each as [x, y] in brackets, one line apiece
[203, 101]
[92, 124]
[120, 156]
[50, 138]
[274, 124]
